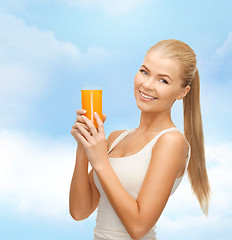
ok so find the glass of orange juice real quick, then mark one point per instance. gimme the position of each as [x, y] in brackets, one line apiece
[91, 99]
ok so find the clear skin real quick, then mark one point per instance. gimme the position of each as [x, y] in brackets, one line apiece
[167, 160]
[156, 114]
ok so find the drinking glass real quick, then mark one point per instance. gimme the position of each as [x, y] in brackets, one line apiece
[91, 98]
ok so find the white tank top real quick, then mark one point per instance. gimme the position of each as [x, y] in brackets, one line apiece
[131, 171]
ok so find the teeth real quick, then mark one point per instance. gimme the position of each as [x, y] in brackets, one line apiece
[145, 96]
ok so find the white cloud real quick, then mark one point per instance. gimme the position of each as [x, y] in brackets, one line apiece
[226, 48]
[29, 49]
[183, 218]
[35, 174]
[20, 43]
[16, 5]
[112, 7]
[220, 62]
[216, 83]
[27, 61]
[13, 5]
[35, 177]
[30, 61]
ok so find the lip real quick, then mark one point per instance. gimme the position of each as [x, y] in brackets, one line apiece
[147, 94]
[146, 99]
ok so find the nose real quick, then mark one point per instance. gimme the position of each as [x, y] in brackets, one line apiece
[149, 84]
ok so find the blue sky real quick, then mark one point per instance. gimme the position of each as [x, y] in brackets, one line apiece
[48, 50]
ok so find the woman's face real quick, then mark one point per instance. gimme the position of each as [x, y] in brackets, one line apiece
[159, 77]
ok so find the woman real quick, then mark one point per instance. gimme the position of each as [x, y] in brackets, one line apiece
[135, 171]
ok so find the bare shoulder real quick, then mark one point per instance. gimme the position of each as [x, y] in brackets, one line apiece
[172, 142]
[175, 136]
[111, 138]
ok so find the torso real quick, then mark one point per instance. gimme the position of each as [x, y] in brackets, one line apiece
[133, 143]
[125, 165]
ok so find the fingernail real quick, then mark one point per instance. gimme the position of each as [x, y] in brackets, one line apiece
[84, 111]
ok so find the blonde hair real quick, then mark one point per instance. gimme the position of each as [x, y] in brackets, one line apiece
[193, 129]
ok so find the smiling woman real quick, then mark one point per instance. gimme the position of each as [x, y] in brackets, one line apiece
[135, 171]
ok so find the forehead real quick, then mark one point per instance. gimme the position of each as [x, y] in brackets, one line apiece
[157, 63]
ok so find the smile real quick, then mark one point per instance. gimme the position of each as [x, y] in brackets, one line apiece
[146, 97]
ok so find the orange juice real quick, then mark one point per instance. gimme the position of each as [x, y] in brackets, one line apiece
[92, 102]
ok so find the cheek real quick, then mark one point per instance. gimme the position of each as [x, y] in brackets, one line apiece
[169, 95]
[137, 80]
[164, 92]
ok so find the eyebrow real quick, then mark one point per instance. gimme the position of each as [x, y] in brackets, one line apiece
[164, 75]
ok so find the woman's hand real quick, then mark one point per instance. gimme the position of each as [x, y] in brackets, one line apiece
[79, 120]
[93, 141]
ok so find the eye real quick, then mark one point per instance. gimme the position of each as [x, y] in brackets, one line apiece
[164, 80]
[143, 71]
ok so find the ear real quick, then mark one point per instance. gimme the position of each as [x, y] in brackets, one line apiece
[183, 93]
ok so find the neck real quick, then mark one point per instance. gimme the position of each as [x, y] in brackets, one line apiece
[153, 121]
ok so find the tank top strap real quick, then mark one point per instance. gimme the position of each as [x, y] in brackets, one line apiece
[187, 161]
[119, 138]
[188, 157]
[153, 141]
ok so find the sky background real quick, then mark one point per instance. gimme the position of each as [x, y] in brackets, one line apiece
[48, 50]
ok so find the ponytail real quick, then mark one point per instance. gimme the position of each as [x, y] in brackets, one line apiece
[193, 131]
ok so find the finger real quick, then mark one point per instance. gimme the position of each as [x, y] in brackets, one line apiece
[79, 119]
[90, 124]
[85, 133]
[82, 124]
[74, 133]
[103, 117]
[99, 123]
[80, 111]
[81, 139]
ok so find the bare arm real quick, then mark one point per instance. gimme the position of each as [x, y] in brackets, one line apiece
[84, 195]
[80, 196]
[139, 216]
